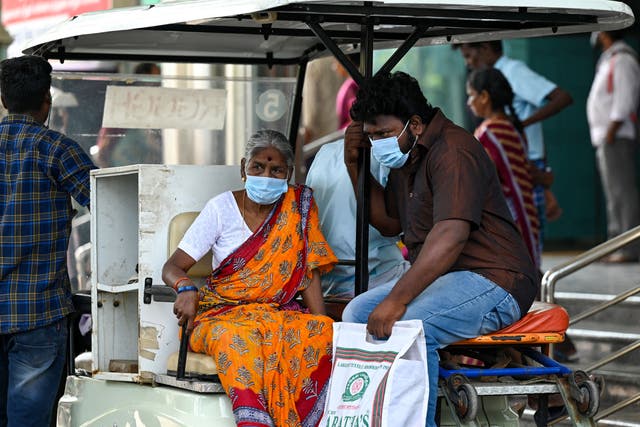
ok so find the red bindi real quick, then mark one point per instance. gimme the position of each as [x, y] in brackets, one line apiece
[269, 158]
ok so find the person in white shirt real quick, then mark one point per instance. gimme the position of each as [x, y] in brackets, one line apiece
[611, 111]
[336, 201]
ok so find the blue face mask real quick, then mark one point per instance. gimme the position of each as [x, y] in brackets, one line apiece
[387, 151]
[265, 190]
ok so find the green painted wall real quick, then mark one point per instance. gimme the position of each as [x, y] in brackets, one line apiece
[441, 73]
[569, 61]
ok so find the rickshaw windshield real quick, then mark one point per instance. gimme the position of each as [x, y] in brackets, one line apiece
[156, 119]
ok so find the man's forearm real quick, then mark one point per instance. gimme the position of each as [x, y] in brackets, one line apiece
[441, 249]
[558, 99]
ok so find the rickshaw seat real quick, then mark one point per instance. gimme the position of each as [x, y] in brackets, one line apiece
[197, 363]
[544, 323]
[179, 225]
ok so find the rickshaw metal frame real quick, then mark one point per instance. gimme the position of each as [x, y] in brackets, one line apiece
[381, 23]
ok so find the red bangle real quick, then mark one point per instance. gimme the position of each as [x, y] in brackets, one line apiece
[180, 280]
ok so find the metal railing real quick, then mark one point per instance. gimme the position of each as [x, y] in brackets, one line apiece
[603, 306]
[552, 276]
[563, 270]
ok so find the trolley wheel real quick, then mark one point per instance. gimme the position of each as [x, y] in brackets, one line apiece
[590, 401]
[467, 406]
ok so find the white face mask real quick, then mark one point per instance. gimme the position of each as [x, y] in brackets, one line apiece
[387, 150]
[265, 190]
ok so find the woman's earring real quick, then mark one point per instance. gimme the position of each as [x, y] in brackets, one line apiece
[244, 178]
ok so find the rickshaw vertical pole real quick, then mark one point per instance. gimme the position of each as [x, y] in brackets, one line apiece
[364, 165]
[297, 104]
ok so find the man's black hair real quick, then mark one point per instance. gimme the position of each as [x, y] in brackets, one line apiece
[24, 83]
[495, 45]
[616, 34]
[396, 94]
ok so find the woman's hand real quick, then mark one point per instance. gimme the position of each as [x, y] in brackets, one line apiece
[174, 274]
[186, 307]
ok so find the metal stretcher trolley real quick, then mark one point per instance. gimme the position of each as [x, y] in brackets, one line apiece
[514, 362]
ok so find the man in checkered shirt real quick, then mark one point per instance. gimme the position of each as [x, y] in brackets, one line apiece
[40, 170]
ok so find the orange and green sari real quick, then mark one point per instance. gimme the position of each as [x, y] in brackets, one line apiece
[273, 359]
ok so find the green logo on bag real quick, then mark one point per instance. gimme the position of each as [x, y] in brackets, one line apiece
[356, 387]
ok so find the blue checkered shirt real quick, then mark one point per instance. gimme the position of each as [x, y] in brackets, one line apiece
[39, 170]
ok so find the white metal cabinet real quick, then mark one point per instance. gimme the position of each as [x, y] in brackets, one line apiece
[131, 207]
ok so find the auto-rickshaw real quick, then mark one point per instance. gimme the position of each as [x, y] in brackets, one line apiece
[140, 211]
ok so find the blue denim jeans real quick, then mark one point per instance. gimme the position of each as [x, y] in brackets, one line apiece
[31, 366]
[454, 307]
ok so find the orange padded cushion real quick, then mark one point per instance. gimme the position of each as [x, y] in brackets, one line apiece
[542, 317]
[544, 324]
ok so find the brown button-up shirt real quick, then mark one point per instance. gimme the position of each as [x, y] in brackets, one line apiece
[449, 176]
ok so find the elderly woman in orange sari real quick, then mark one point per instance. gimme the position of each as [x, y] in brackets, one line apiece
[273, 355]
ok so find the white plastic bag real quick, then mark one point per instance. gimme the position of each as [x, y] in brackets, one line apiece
[377, 383]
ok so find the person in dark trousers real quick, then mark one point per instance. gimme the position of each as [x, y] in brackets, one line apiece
[612, 108]
[40, 169]
[470, 272]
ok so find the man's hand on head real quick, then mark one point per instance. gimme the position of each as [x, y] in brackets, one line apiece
[353, 140]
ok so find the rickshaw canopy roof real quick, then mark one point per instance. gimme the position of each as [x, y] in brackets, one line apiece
[285, 31]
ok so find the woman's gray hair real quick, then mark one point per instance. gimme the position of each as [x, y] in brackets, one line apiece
[269, 138]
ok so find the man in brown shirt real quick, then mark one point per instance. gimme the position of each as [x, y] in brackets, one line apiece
[470, 272]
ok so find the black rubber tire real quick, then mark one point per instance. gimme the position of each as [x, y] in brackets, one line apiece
[591, 392]
[467, 394]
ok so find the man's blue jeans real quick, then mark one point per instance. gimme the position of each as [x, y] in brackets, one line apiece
[454, 307]
[31, 366]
